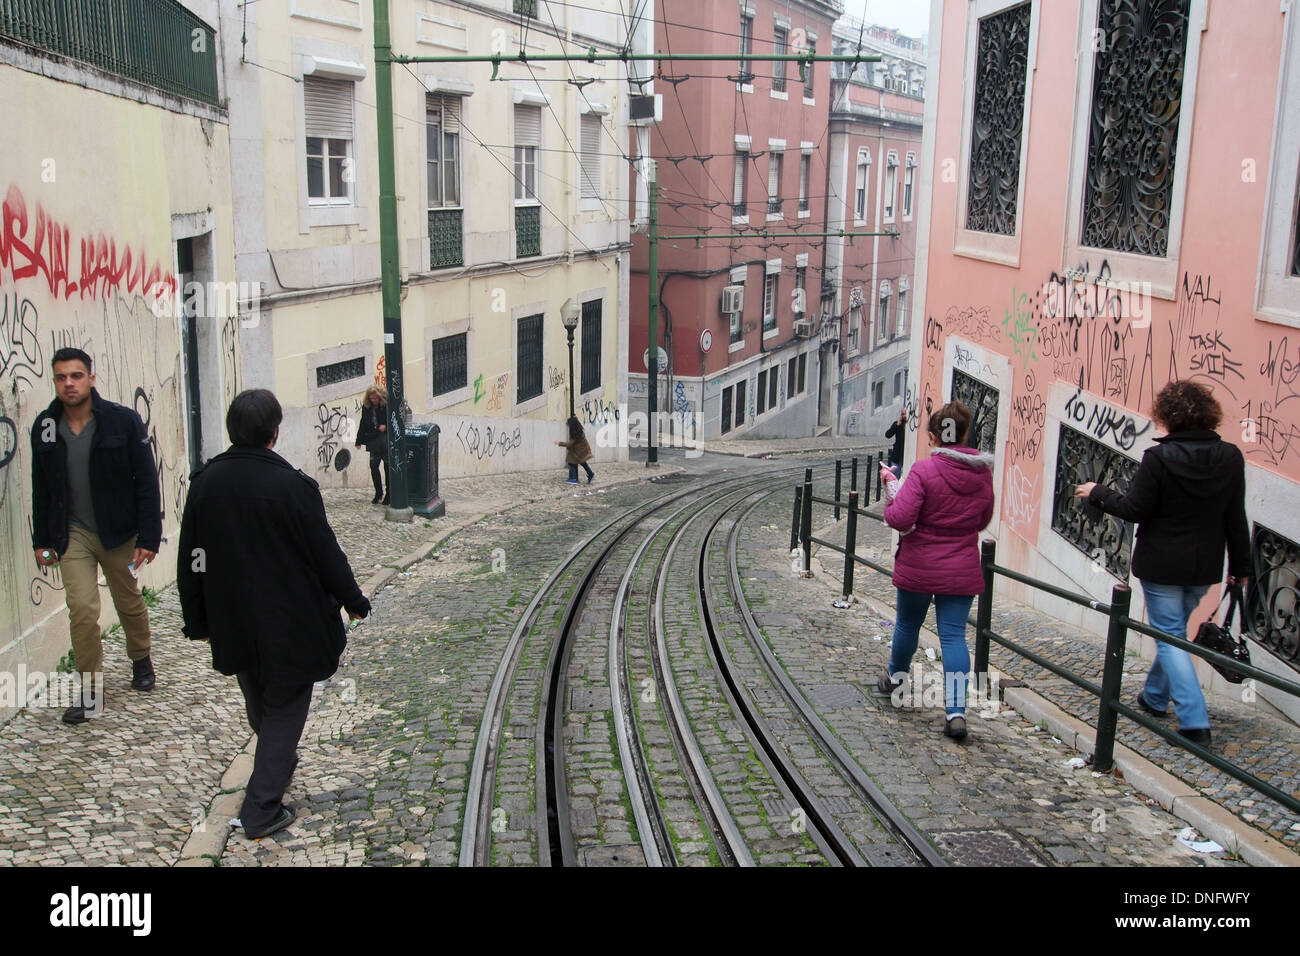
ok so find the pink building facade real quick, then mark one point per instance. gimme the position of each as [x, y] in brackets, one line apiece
[739, 150]
[1108, 203]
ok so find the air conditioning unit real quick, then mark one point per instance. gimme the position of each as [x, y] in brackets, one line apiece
[645, 110]
[733, 299]
[803, 329]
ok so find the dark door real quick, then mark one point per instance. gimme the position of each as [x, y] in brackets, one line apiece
[190, 304]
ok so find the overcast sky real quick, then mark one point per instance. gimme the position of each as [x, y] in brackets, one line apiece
[910, 16]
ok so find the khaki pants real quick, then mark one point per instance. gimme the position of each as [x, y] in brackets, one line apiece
[79, 565]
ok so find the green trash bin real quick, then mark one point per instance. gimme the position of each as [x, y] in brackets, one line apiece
[422, 470]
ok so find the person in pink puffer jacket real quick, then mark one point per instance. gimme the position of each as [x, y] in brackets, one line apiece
[945, 502]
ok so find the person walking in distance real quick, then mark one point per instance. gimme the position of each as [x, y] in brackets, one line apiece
[95, 505]
[372, 432]
[579, 452]
[1189, 500]
[941, 508]
[898, 432]
[262, 577]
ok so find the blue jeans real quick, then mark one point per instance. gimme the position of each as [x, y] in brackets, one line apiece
[950, 611]
[1172, 676]
[573, 472]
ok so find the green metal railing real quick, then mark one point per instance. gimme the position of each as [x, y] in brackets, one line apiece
[155, 42]
[446, 239]
[528, 231]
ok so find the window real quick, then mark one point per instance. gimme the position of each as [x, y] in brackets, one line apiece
[901, 314]
[1278, 291]
[726, 410]
[791, 376]
[891, 185]
[769, 302]
[780, 47]
[1137, 88]
[860, 194]
[803, 372]
[589, 165]
[774, 158]
[908, 179]
[442, 166]
[898, 384]
[808, 78]
[737, 319]
[805, 163]
[450, 365]
[877, 395]
[337, 372]
[762, 392]
[1109, 541]
[591, 330]
[746, 46]
[773, 384]
[529, 357]
[738, 207]
[855, 326]
[800, 277]
[740, 402]
[882, 320]
[528, 137]
[328, 122]
[526, 7]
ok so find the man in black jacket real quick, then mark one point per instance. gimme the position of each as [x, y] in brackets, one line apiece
[898, 432]
[1189, 500]
[95, 504]
[262, 577]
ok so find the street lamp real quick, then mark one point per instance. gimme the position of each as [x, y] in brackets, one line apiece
[569, 313]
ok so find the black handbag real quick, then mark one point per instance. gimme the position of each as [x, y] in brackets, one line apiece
[1219, 638]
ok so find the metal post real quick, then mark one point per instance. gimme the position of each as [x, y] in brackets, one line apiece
[1111, 679]
[838, 473]
[984, 613]
[390, 270]
[571, 388]
[850, 545]
[794, 520]
[880, 461]
[807, 521]
[652, 341]
[853, 474]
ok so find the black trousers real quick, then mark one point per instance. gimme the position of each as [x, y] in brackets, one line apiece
[374, 472]
[277, 715]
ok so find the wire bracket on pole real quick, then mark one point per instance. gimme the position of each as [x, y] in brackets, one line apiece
[496, 66]
[591, 54]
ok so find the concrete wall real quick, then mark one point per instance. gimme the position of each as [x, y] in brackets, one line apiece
[97, 188]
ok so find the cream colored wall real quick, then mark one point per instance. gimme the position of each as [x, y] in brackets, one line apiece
[91, 168]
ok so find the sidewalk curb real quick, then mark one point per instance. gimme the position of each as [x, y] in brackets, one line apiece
[207, 841]
[861, 450]
[1224, 827]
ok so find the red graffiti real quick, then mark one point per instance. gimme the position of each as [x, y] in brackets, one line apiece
[46, 253]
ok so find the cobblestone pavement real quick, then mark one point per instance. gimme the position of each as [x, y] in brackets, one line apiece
[1265, 745]
[1004, 796]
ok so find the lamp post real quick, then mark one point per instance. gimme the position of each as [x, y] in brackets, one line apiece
[569, 313]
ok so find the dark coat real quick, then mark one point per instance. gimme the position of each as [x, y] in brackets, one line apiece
[368, 429]
[123, 479]
[260, 572]
[1188, 499]
[579, 450]
[898, 433]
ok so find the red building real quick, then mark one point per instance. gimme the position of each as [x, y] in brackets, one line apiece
[741, 148]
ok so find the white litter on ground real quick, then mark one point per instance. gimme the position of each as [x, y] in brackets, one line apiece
[1187, 837]
[1076, 763]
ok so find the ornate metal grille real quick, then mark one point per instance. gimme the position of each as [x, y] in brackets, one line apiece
[1000, 71]
[982, 400]
[1080, 459]
[591, 314]
[340, 372]
[1137, 92]
[450, 365]
[529, 356]
[446, 242]
[1273, 598]
[528, 231]
[527, 7]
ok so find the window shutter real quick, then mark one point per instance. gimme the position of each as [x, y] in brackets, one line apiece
[738, 189]
[328, 107]
[451, 114]
[528, 126]
[773, 174]
[589, 164]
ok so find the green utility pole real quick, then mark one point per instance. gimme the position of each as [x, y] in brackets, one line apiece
[399, 508]
[652, 342]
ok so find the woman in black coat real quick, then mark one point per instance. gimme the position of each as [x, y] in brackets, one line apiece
[261, 577]
[1189, 500]
[373, 433]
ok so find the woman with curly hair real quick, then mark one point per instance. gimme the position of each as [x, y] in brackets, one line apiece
[372, 431]
[1189, 500]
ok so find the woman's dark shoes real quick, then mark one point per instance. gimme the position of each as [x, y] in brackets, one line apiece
[1200, 735]
[375, 499]
[287, 816]
[955, 727]
[1142, 702]
[385, 501]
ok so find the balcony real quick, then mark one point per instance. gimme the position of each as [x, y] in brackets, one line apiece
[154, 42]
[528, 231]
[446, 238]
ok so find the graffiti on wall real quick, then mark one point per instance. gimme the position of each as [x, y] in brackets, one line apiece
[488, 441]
